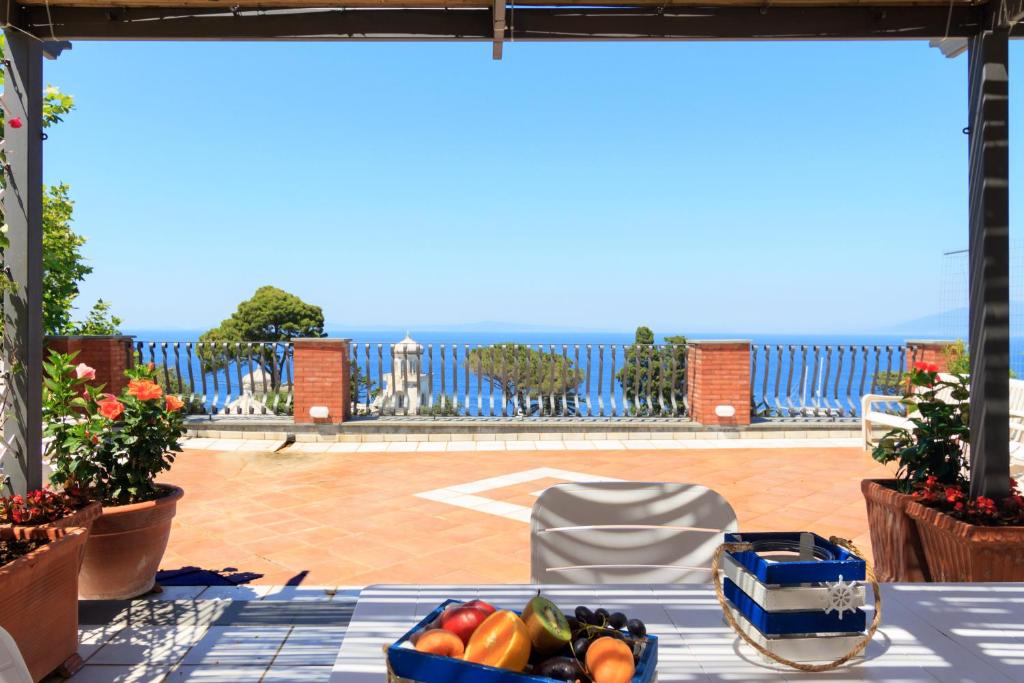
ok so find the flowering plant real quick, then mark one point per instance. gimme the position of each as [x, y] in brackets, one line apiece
[935, 446]
[108, 447]
[953, 500]
[41, 506]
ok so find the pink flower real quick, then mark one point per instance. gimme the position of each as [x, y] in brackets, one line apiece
[83, 371]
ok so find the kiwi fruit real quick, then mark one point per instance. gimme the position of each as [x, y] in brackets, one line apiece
[548, 628]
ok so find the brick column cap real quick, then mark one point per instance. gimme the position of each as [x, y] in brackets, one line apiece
[931, 342]
[321, 341]
[81, 337]
[719, 342]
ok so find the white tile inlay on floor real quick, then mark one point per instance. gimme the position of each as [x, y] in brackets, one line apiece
[218, 674]
[151, 645]
[241, 646]
[463, 495]
[121, 673]
[310, 646]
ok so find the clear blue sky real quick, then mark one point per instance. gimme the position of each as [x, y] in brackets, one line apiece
[748, 187]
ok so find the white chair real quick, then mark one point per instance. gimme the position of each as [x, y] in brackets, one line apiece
[870, 417]
[12, 664]
[626, 532]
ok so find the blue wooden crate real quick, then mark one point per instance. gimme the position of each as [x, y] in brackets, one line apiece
[423, 667]
[845, 565]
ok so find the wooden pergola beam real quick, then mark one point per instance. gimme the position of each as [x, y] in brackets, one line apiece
[541, 24]
[989, 260]
[23, 306]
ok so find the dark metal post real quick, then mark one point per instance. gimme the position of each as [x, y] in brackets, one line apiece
[988, 94]
[23, 212]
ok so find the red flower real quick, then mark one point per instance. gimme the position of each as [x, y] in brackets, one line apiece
[932, 367]
[36, 507]
[111, 408]
[14, 122]
[144, 389]
[173, 403]
[920, 365]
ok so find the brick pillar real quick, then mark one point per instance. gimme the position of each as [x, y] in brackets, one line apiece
[718, 379]
[322, 379]
[109, 355]
[929, 351]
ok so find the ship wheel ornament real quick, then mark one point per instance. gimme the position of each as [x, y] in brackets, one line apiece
[840, 597]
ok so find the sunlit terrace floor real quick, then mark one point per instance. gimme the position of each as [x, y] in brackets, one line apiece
[310, 518]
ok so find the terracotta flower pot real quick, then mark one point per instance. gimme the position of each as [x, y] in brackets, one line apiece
[39, 601]
[895, 543]
[125, 547]
[958, 551]
[82, 518]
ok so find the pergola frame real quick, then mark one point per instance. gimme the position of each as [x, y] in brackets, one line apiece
[985, 26]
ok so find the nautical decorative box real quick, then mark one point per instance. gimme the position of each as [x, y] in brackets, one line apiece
[795, 594]
[407, 665]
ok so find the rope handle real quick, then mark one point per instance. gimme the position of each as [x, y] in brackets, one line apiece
[799, 666]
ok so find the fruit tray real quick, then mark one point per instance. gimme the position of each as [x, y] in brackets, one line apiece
[406, 664]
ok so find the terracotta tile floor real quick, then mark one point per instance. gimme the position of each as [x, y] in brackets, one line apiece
[354, 518]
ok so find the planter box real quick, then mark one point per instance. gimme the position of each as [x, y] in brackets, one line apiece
[958, 551]
[411, 666]
[82, 518]
[895, 543]
[39, 600]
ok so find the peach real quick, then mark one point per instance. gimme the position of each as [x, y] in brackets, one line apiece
[437, 641]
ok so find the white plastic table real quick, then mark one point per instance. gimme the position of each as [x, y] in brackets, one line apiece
[930, 632]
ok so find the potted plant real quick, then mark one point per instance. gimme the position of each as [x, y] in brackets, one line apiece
[934, 447]
[969, 539]
[47, 509]
[39, 596]
[110, 449]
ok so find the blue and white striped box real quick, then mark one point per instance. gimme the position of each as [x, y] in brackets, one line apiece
[796, 594]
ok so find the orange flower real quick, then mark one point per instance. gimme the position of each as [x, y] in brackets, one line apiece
[173, 403]
[144, 389]
[111, 408]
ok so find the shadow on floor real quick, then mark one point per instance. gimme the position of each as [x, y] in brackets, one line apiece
[196, 576]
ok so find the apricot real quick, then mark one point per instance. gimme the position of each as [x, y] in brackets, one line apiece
[501, 641]
[437, 641]
[610, 660]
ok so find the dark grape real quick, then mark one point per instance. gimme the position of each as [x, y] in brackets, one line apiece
[617, 620]
[618, 635]
[579, 647]
[584, 615]
[559, 668]
[602, 614]
[574, 623]
[637, 628]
